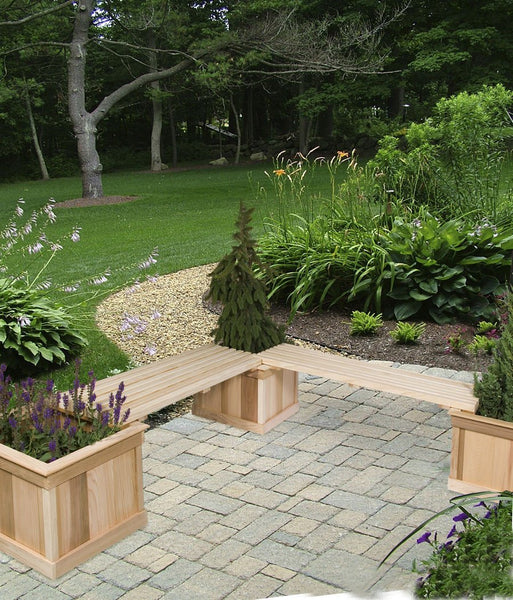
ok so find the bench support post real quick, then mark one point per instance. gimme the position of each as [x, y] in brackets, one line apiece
[255, 401]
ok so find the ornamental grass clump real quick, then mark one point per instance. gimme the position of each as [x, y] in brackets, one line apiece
[46, 424]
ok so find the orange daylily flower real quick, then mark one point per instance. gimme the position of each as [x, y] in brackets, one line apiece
[279, 172]
[342, 155]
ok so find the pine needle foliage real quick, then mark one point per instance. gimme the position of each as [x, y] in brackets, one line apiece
[243, 323]
[495, 388]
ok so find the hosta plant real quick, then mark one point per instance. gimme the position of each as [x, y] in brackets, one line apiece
[446, 270]
[43, 423]
[34, 332]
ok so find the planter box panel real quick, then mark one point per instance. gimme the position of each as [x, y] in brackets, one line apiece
[64, 512]
[481, 455]
[256, 401]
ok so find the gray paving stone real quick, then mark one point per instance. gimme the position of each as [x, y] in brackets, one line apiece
[320, 442]
[259, 586]
[355, 502]
[215, 503]
[77, 585]
[185, 546]
[124, 575]
[301, 584]
[344, 570]
[262, 527]
[207, 584]
[104, 591]
[187, 460]
[314, 510]
[275, 451]
[284, 556]
[175, 574]
[42, 592]
[224, 554]
[184, 425]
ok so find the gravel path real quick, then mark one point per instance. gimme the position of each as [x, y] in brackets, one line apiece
[159, 318]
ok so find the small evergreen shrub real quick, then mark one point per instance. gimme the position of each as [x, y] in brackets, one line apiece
[407, 333]
[243, 323]
[363, 323]
[494, 389]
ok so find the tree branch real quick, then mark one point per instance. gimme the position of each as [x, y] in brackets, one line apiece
[37, 15]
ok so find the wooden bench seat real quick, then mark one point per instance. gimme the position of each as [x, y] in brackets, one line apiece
[359, 373]
[154, 386]
[157, 385]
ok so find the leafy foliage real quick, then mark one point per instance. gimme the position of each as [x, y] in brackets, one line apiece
[243, 323]
[407, 333]
[363, 323]
[33, 330]
[474, 562]
[452, 162]
[446, 270]
[46, 424]
[494, 389]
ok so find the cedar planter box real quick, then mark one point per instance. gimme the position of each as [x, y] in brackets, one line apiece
[53, 516]
[255, 401]
[482, 453]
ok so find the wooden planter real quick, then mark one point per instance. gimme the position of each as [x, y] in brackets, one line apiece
[256, 401]
[55, 516]
[481, 455]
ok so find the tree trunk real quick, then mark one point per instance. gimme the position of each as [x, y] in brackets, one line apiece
[172, 126]
[237, 125]
[84, 124]
[156, 101]
[35, 139]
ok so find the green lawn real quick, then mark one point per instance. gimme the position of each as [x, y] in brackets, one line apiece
[188, 215]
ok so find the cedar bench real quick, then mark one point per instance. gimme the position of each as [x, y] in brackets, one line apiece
[258, 391]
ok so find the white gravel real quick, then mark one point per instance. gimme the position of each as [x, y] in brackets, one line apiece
[159, 318]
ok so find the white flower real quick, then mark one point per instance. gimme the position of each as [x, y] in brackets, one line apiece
[35, 248]
[23, 321]
[75, 236]
[150, 350]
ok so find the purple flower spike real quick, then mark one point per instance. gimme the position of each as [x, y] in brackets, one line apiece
[424, 537]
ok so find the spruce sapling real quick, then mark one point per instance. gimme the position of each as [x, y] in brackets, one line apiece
[243, 323]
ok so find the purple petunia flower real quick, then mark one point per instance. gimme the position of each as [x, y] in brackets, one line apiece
[461, 517]
[424, 537]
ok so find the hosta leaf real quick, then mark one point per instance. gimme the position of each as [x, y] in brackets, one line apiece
[416, 295]
[404, 310]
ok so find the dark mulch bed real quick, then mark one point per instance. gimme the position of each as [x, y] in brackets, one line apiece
[331, 328]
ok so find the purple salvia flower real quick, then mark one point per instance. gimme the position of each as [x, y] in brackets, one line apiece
[81, 406]
[49, 385]
[52, 446]
[72, 431]
[66, 423]
[126, 415]
[105, 418]
[12, 422]
[116, 414]
[111, 400]
[65, 401]
[99, 407]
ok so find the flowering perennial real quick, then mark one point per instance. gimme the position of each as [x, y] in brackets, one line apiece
[47, 424]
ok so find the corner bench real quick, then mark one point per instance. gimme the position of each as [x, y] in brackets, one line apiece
[258, 391]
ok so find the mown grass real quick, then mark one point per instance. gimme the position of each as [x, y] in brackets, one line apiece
[188, 215]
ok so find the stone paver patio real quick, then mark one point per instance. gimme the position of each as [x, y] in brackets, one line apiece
[308, 508]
